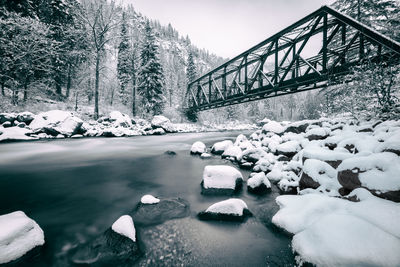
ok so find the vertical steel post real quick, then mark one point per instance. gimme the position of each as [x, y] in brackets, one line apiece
[294, 59]
[224, 83]
[325, 42]
[245, 75]
[343, 61]
[209, 86]
[276, 63]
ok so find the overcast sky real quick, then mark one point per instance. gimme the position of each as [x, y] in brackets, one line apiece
[227, 27]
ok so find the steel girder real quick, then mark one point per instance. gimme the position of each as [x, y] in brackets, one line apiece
[309, 54]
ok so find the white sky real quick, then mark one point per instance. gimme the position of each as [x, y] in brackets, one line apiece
[227, 27]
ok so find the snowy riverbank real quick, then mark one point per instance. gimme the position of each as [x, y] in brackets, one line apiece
[64, 124]
[339, 181]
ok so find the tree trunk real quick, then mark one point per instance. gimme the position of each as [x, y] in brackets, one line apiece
[14, 98]
[134, 99]
[76, 101]
[96, 87]
[69, 81]
[58, 87]
[25, 91]
[2, 89]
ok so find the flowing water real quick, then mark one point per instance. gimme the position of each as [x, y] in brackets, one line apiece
[76, 188]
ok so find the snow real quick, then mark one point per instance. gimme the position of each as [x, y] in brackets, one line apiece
[287, 147]
[335, 232]
[49, 119]
[124, 226]
[322, 172]
[220, 147]
[205, 155]
[378, 171]
[320, 131]
[220, 176]
[277, 174]
[149, 199]
[120, 119]
[285, 185]
[273, 126]
[234, 152]
[15, 133]
[198, 148]
[232, 206]
[159, 120]
[363, 143]
[324, 154]
[257, 179]
[18, 235]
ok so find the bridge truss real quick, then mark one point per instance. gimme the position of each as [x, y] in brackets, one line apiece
[310, 54]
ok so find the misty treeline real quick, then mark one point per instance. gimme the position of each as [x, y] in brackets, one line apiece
[94, 56]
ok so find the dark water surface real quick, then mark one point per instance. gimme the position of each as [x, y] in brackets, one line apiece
[76, 189]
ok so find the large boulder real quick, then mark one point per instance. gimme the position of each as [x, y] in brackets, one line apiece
[18, 236]
[288, 149]
[232, 209]
[274, 127]
[116, 246]
[16, 134]
[258, 183]
[221, 179]
[255, 154]
[317, 173]
[378, 173]
[119, 119]
[332, 157]
[233, 153]
[219, 147]
[198, 148]
[7, 117]
[318, 133]
[56, 122]
[297, 127]
[164, 123]
[161, 211]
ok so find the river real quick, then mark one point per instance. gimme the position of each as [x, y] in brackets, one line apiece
[76, 188]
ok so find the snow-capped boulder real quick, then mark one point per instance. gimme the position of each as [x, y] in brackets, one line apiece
[15, 134]
[274, 127]
[149, 199]
[333, 158]
[219, 147]
[7, 124]
[288, 149]
[56, 122]
[360, 143]
[232, 209]
[164, 123]
[120, 119]
[205, 155]
[143, 124]
[330, 231]
[26, 117]
[265, 164]
[232, 152]
[156, 131]
[390, 146]
[116, 246]
[317, 133]
[221, 179]
[288, 186]
[317, 173]
[255, 154]
[165, 209]
[258, 183]
[297, 127]
[18, 235]
[198, 148]
[70, 126]
[378, 173]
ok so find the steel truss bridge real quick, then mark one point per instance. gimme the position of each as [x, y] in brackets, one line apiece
[312, 53]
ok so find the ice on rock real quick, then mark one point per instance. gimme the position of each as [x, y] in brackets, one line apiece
[149, 199]
[273, 126]
[232, 206]
[18, 235]
[198, 148]
[220, 147]
[221, 177]
[124, 226]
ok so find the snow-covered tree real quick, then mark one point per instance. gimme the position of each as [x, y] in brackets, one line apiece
[150, 76]
[124, 67]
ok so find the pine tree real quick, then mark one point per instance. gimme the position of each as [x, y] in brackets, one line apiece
[191, 68]
[124, 67]
[150, 76]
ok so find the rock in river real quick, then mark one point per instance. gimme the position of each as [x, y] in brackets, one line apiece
[232, 209]
[221, 179]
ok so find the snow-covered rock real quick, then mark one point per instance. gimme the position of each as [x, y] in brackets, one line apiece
[288, 149]
[221, 178]
[333, 158]
[274, 127]
[4, 117]
[317, 173]
[120, 119]
[219, 147]
[205, 155]
[330, 231]
[379, 173]
[149, 199]
[198, 148]
[258, 183]
[164, 123]
[15, 133]
[26, 117]
[232, 152]
[232, 209]
[318, 133]
[56, 122]
[125, 227]
[18, 235]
